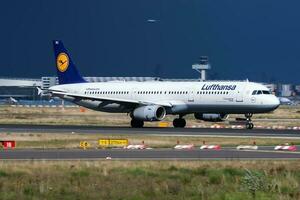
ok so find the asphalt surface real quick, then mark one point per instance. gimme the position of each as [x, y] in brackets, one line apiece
[228, 153]
[153, 154]
[150, 131]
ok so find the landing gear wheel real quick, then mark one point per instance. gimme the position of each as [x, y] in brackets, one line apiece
[249, 125]
[179, 123]
[137, 123]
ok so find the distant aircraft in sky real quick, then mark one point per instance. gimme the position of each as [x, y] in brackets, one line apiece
[152, 101]
[151, 20]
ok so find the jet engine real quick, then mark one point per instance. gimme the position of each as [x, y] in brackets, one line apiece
[211, 117]
[149, 113]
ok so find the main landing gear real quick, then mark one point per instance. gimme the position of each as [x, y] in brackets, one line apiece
[179, 122]
[136, 123]
[249, 124]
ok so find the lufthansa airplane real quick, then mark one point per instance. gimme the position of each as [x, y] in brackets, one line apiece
[152, 101]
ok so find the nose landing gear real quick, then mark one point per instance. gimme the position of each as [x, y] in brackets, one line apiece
[249, 124]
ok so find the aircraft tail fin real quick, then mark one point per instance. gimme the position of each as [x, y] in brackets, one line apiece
[66, 70]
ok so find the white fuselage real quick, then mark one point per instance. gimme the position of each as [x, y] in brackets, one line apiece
[226, 97]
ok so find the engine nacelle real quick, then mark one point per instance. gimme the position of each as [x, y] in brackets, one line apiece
[211, 117]
[149, 113]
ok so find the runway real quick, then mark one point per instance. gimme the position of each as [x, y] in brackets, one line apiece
[227, 153]
[153, 154]
[14, 128]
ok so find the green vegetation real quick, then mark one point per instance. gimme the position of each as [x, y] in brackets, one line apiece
[283, 116]
[150, 180]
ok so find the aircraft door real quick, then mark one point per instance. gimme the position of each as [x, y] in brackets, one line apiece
[134, 93]
[191, 95]
[240, 93]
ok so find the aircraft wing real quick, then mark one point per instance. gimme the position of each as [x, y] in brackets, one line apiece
[108, 99]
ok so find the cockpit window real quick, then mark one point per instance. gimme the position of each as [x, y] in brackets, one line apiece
[257, 92]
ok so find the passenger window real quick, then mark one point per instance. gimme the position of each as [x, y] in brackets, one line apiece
[266, 92]
[259, 92]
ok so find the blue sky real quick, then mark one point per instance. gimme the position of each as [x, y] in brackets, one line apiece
[256, 39]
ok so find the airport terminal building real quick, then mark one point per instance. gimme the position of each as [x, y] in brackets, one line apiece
[26, 89]
[19, 88]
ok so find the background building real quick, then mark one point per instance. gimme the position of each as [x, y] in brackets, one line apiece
[26, 89]
[19, 88]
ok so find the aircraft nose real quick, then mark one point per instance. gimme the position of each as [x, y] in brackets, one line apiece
[274, 102]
